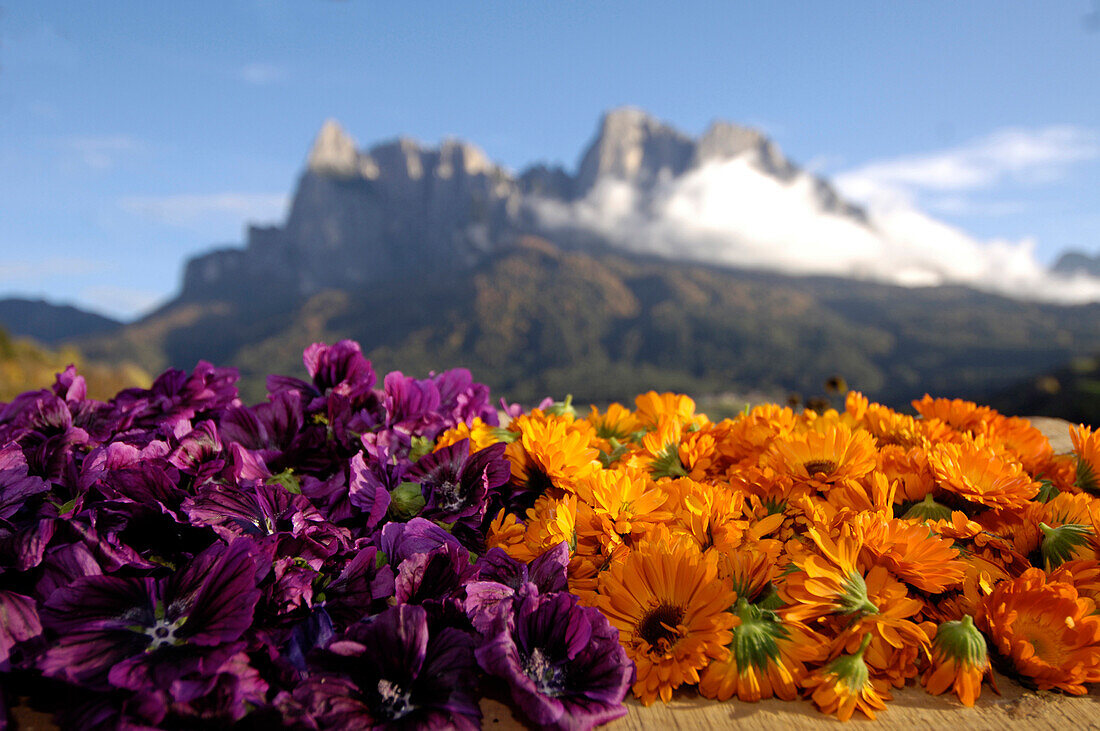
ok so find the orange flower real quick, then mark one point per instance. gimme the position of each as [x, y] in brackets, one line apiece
[767, 658]
[624, 505]
[550, 453]
[713, 517]
[1086, 448]
[1021, 440]
[828, 583]
[671, 610]
[652, 408]
[965, 416]
[959, 661]
[660, 452]
[1049, 632]
[845, 685]
[834, 455]
[750, 435]
[911, 552]
[895, 641]
[979, 474]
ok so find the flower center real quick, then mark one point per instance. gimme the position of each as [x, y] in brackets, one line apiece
[162, 634]
[825, 466]
[393, 702]
[659, 626]
[548, 676]
[448, 496]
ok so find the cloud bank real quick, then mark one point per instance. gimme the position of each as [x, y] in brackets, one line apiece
[731, 212]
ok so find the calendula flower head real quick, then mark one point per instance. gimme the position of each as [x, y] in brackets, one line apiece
[1086, 449]
[767, 657]
[977, 473]
[660, 450]
[959, 661]
[752, 568]
[652, 408]
[966, 416]
[909, 468]
[1065, 542]
[699, 455]
[1083, 574]
[844, 686]
[750, 435]
[828, 581]
[927, 509]
[834, 455]
[508, 533]
[480, 434]
[624, 504]
[671, 610]
[1020, 439]
[1072, 528]
[1049, 632]
[550, 454]
[551, 521]
[911, 552]
[713, 517]
[896, 641]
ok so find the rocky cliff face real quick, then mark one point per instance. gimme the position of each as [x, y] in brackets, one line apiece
[363, 216]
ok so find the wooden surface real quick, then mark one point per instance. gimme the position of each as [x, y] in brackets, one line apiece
[912, 707]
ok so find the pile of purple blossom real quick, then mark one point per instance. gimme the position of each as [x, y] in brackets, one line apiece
[174, 558]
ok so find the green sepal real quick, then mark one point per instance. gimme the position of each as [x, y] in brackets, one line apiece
[1060, 544]
[927, 509]
[420, 447]
[406, 501]
[961, 641]
[288, 480]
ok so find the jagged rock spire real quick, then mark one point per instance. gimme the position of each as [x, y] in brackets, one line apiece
[333, 151]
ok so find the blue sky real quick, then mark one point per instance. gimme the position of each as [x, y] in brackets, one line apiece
[136, 134]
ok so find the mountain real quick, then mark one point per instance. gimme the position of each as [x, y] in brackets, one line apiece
[535, 319]
[363, 217]
[49, 323]
[1076, 262]
[646, 267]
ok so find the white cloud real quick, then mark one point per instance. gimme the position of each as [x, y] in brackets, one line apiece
[1013, 154]
[187, 210]
[261, 74]
[731, 212]
[103, 152]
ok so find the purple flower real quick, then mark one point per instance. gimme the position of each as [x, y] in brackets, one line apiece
[400, 541]
[393, 672]
[501, 577]
[224, 696]
[18, 623]
[16, 484]
[462, 399]
[435, 576]
[143, 633]
[199, 453]
[563, 662]
[177, 396]
[369, 487]
[361, 588]
[338, 369]
[456, 484]
[260, 511]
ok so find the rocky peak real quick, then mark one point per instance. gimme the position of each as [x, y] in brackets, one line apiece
[333, 152]
[633, 146]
